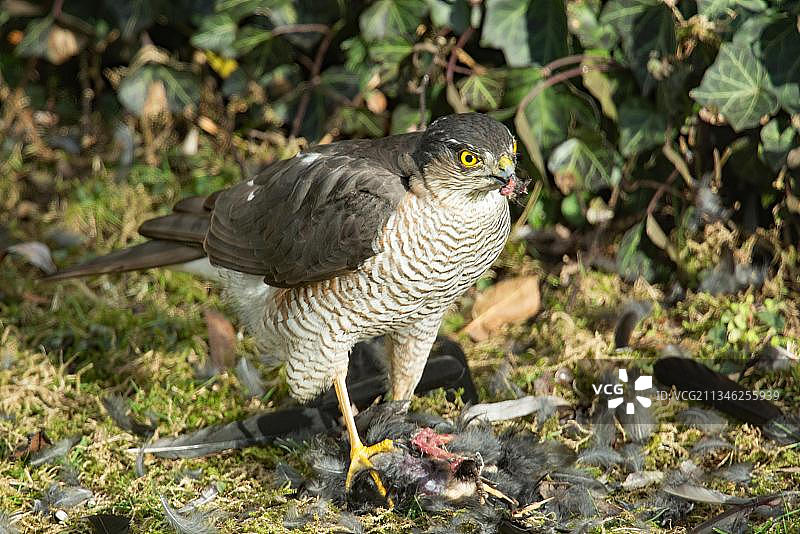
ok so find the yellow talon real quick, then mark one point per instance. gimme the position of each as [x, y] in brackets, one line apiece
[360, 455]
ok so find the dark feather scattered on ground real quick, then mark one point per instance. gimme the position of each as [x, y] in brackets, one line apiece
[729, 397]
[117, 409]
[729, 277]
[708, 421]
[109, 524]
[438, 464]
[632, 313]
[258, 429]
[34, 252]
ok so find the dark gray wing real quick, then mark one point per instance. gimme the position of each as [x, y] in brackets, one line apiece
[311, 217]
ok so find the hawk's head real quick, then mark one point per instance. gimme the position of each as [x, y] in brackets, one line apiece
[468, 152]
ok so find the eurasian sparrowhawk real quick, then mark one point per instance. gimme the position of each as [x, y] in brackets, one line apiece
[344, 242]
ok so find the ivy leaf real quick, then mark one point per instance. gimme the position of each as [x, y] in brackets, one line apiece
[182, 89]
[552, 112]
[453, 14]
[390, 18]
[390, 51]
[736, 85]
[647, 29]
[780, 52]
[406, 119]
[571, 210]
[713, 9]
[238, 9]
[584, 24]
[776, 142]
[632, 263]
[640, 127]
[481, 92]
[527, 31]
[34, 44]
[285, 12]
[360, 122]
[577, 165]
[248, 37]
[217, 33]
[603, 88]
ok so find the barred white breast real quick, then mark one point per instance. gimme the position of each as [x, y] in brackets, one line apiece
[431, 251]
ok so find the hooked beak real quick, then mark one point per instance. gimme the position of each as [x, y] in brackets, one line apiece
[505, 175]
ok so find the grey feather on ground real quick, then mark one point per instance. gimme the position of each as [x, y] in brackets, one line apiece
[55, 451]
[250, 378]
[512, 409]
[5, 525]
[193, 523]
[58, 497]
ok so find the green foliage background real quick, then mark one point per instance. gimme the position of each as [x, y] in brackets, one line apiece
[640, 121]
[615, 102]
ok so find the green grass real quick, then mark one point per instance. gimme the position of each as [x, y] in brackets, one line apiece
[141, 335]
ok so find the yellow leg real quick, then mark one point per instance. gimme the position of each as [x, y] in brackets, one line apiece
[359, 453]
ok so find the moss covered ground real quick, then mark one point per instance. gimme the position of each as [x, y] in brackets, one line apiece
[64, 347]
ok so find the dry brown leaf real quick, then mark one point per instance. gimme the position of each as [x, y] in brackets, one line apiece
[35, 442]
[221, 340]
[509, 301]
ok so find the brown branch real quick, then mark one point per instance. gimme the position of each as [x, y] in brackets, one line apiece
[451, 63]
[302, 107]
[422, 93]
[548, 69]
[56, 10]
[651, 206]
[299, 28]
[558, 78]
[630, 187]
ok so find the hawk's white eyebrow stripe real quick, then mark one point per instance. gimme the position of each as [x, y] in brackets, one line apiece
[461, 143]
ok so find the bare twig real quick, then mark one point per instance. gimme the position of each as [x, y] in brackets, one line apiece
[521, 122]
[558, 78]
[548, 69]
[451, 63]
[423, 88]
[660, 191]
[56, 10]
[302, 107]
[651, 184]
[86, 91]
[299, 28]
[537, 189]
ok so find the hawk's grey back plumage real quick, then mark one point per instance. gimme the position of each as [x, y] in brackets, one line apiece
[311, 217]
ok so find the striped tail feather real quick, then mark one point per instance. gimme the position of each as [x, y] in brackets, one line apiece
[156, 253]
[175, 239]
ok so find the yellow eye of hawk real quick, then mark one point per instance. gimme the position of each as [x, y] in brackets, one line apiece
[468, 159]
